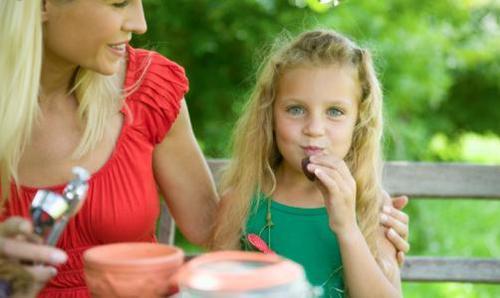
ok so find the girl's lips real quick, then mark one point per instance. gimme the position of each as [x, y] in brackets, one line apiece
[312, 150]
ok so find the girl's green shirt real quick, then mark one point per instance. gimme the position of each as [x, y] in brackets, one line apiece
[302, 235]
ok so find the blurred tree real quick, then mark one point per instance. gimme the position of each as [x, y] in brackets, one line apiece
[438, 61]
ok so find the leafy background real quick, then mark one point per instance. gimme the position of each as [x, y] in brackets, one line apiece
[439, 63]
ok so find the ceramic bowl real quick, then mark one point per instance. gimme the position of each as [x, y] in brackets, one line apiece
[131, 269]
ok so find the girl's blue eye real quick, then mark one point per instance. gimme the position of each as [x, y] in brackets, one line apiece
[295, 110]
[334, 112]
[120, 4]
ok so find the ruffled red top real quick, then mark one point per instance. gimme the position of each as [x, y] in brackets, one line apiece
[122, 203]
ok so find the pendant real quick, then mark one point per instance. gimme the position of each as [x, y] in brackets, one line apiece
[259, 244]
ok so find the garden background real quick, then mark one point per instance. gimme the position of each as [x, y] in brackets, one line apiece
[439, 62]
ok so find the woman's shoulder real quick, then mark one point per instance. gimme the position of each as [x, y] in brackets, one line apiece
[146, 67]
[155, 87]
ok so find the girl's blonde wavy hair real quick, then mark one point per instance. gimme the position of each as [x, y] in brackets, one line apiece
[256, 158]
[20, 67]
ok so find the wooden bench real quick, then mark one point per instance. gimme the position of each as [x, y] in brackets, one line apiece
[430, 181]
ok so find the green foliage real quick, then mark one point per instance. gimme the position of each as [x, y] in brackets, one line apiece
[479, 149]
[439, 61]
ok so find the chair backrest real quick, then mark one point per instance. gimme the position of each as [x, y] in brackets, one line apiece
[430, 181]
[446, 181]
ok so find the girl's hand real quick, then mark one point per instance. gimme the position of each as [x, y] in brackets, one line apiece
[19, 251]
[338, 188]
[397, 224]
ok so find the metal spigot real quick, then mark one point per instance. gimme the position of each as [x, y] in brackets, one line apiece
[50, 211]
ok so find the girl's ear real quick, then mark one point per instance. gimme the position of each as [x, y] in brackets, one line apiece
[45, 16]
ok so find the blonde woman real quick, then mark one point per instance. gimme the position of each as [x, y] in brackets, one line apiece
[304, 179]
[73, 92]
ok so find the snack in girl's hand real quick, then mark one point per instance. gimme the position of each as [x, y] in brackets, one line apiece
[308, 174]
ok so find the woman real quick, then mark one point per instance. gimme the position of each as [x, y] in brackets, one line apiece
[129, 137]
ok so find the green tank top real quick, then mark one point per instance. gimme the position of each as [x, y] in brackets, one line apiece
[302, 235]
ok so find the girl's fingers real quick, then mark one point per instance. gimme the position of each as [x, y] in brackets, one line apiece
[332, 173]
[339, 165]
[399, 243]
[22, 250]
[327, 183]
[342, 185]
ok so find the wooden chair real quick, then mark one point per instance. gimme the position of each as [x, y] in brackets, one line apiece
[422, 180]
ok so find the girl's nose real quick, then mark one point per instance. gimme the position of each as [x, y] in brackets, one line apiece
[314, 126]
[135, 21]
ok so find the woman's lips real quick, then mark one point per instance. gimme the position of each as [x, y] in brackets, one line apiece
[118, 49]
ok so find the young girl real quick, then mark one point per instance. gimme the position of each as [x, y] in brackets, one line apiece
[318, 98]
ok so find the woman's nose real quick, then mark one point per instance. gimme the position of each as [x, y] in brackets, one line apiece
[135, 22]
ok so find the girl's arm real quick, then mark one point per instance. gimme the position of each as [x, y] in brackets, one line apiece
[363, 276]
[185, 181]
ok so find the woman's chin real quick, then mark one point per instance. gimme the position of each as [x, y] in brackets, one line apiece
[107, 69]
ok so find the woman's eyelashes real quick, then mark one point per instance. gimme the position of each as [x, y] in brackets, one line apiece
[120, 4]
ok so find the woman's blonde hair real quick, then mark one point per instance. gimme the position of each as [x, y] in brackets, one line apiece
[21, 62]
[256, 158]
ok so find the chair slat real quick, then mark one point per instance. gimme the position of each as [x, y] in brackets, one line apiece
[442, 180]
[447, 269]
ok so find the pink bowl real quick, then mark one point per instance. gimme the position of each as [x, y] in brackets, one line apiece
[131, 269]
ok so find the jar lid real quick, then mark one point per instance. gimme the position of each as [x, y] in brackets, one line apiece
[238, 271]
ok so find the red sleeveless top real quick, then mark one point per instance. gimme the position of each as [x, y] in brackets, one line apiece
[122, 203]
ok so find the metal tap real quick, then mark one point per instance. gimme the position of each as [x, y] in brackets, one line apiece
[50, 211]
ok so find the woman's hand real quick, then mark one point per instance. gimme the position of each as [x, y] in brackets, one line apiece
[25, 265]
[397, 224]
[338, 187]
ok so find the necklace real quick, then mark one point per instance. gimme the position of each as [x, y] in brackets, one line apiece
[255, 241]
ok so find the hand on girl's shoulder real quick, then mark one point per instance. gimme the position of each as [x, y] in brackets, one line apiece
[387, 251]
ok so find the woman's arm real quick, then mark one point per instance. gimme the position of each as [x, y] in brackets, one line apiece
[184, 179]
[396, 225]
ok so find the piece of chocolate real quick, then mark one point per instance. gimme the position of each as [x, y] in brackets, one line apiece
[308, 174]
